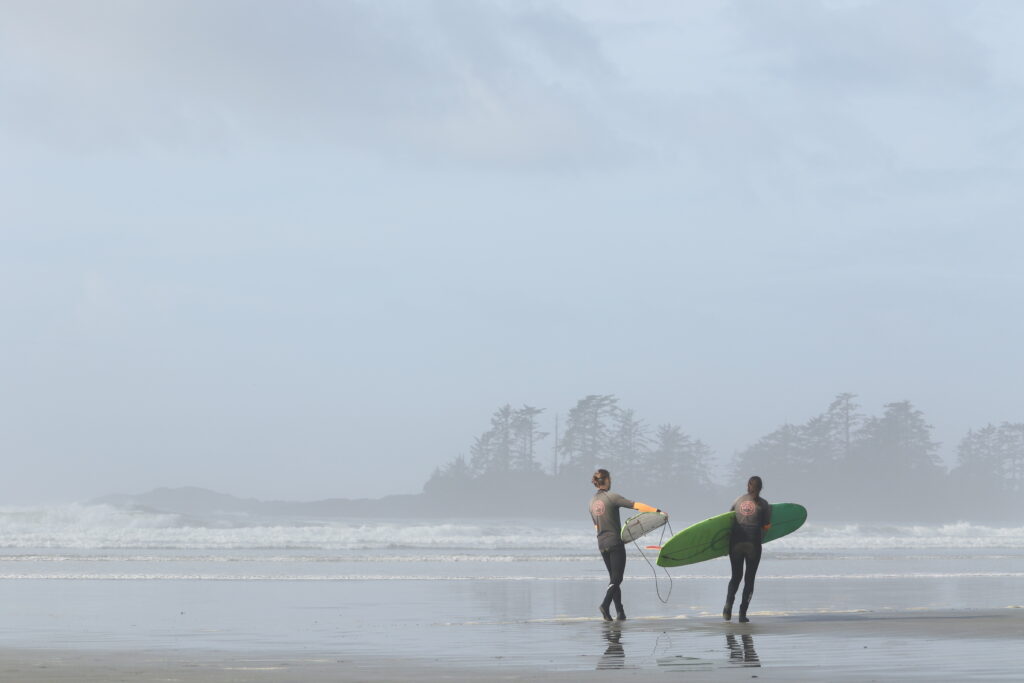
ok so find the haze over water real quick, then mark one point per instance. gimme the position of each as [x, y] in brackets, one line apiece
[265, 265]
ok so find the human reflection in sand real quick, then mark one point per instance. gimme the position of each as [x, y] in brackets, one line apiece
[614, 656]
[742, 653]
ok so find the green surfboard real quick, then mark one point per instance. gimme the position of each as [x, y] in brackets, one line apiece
[710, 539]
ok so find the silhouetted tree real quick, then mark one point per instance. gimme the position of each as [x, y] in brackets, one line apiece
[821, 445]
[629, 444]
[525, 436]
[990, 464]
[678, 460]
[840, 462]
[491, 452]
[453, 478]
[979, 457]
[587, 441]
[900, 443]
[779, 454]
[841, 421]
[893, 460]
[1010, 438]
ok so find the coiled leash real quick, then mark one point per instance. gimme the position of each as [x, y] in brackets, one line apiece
[657, 586]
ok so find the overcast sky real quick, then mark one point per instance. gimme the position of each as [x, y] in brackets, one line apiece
[304, 250]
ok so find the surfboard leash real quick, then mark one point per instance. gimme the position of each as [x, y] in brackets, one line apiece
[657, 586]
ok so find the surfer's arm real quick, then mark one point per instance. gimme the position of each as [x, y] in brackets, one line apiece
[644, 507]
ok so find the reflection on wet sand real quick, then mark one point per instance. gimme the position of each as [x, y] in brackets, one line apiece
[663, 645]
[742, 653]
[614, 656]
[740, 647]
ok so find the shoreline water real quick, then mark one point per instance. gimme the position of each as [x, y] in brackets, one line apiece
[932, 645]
[97, 594]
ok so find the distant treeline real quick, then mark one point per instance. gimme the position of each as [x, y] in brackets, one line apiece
[842, 464]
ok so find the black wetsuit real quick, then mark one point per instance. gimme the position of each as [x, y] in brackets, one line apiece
[753, 513]
[604, 511]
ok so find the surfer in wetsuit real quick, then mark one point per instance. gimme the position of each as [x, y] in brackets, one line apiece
[604, 511]
[753, 517]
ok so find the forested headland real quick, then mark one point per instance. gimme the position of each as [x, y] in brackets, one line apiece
[843, 464]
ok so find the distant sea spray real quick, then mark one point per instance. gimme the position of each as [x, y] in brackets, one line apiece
[85, 527]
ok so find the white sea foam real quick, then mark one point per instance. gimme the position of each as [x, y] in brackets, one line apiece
[101, 526]
[211, 576]
[962, 535]
[97, 527]
[100, 557]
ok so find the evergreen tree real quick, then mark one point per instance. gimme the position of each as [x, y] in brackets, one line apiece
[452, 478]
[979, 457]
[491, 452]
[1011, 451]
[895, 461]
[807, 457]
[525, 435]
[900, 441]
[587, 439]
[824, 441]
[481, 455]
[842, 420]
[678, 459]
[629, 445]
[990, 464]
[778, 454]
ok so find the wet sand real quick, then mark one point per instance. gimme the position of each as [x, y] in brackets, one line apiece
[865, 646]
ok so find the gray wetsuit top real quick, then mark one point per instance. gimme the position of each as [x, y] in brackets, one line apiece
[753, 513]
[604, 511]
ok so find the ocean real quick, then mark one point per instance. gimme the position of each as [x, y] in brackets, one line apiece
[474, 592]
[93, 542]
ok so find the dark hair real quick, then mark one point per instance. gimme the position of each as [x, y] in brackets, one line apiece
[756, 482]
[600, 478]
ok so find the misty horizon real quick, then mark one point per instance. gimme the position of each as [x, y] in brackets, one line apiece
[309, 255]
[719, 463]
[317, 317]
[717, 473]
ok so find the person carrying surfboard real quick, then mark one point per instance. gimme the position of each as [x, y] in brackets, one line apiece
[604, 511]
[753, 518]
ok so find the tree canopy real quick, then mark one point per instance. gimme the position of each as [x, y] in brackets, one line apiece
[842, 463]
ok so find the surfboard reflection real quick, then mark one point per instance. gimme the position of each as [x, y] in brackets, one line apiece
[614, 656]
[742, 652]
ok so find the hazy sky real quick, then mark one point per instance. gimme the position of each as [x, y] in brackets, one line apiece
[304, 249]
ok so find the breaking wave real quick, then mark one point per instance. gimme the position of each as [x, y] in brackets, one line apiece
[92, 527]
